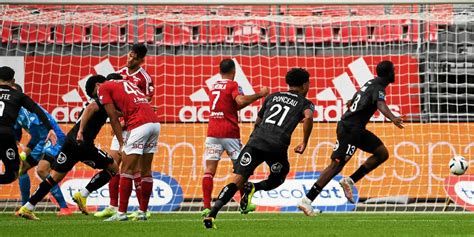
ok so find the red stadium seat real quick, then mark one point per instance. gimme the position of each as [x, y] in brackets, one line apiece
[352, 32]
[176, 34]
[6, 33]
[209, 32]
[246, 32]
[107, 33]
[287, 32]
[313, 34]
[31, 34]
[144, 30]
[67, 34]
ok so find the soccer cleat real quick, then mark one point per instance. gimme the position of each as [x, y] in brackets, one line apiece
[347, 185]
[209, 223]
[250, 208]
[246, 201]
[135, 213]
[81, 202]
[305, 205]
[107, 212]
[140, 216]
[117, 217]
[27, 214]
[65, 212]
[205, 212]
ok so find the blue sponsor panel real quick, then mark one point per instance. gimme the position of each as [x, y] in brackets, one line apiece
[167, 194]
[285, 197]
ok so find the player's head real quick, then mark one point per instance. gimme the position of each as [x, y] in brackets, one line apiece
[298, 78]
[227, 68]
[93, 83]
[7, 75]
[18, 87]
[386, 69]
[114, 76]
[136, 56]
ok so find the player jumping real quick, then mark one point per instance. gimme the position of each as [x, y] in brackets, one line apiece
[352, 134]
[277, 119]
[223, 133]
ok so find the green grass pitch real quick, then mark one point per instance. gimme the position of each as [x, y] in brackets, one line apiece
[254, 224]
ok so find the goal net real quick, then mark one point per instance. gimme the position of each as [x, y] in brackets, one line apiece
[55, 48]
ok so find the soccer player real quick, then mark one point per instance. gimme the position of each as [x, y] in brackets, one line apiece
[38, 152]
[136, 74]
[11, 101]
[277, 119]
[143, 130]
[223, 133]
[352, 134]
[79, 146]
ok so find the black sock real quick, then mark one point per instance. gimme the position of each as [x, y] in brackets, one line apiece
[98, 180]
[314, 192]
[259, 186]
[224, 197]
[359, 174]
[42, 190]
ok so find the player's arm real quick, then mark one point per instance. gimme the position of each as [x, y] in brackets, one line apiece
[383, 108]
[114, 122]
[307, 128]
[31, 106]
[244, 100]
[85, 118]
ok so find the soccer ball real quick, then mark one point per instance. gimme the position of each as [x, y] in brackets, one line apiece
[458, 165]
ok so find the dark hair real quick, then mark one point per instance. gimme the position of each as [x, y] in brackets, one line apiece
[385, 69]
[18, 87]
[90, 84]
[297, 77]
[6, 73]
[140, 50]
[114, 76]
[226, 66]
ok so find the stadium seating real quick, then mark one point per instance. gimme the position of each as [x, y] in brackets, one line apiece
[67, 34]
[31, 34]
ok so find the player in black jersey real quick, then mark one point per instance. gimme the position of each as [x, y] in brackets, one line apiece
[79, 146]
[11, 101]
[352, 134]
[277, 119]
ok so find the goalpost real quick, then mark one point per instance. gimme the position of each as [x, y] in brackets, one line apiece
[54, 46]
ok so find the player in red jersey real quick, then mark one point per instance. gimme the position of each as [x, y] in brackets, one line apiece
[143, 130]
[223, 133]
[134, 73]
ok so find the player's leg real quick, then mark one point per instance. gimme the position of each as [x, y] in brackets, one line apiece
[212, 155]
[279, 169]
[24, 180]
[369, 143]
[10, 158]
[96, 159]
[43, 170]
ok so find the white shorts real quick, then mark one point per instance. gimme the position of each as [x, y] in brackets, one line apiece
[216, 146]
[143, 139]
[115, 146]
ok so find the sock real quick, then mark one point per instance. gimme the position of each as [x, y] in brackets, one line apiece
[359, 174]
[224, 197]
[85, 193]
[259, 186]
[137, 181]
[314, 192]
[207, 186]
[24, 182]
[97, 181]
[114, 190]
[42, 190]
[58, 195]
[147, 187]
[126, 183]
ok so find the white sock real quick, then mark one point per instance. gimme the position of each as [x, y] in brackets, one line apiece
[84, 192]
[29, 206]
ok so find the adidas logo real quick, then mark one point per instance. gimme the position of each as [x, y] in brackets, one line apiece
[66, 114]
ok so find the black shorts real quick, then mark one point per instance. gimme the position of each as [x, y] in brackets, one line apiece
[9, 153]
[250, 158]
[349, 139]
[71, 153]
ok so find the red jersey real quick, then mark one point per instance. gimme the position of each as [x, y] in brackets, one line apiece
[129, 100]
[223, 118]
[140, 78]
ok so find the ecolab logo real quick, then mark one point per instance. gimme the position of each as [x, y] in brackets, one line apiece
[201, 113]
[293, 189]
[346, 89]
[166, 195]
[67, 114]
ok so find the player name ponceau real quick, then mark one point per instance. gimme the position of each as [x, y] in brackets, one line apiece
[284, 99]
